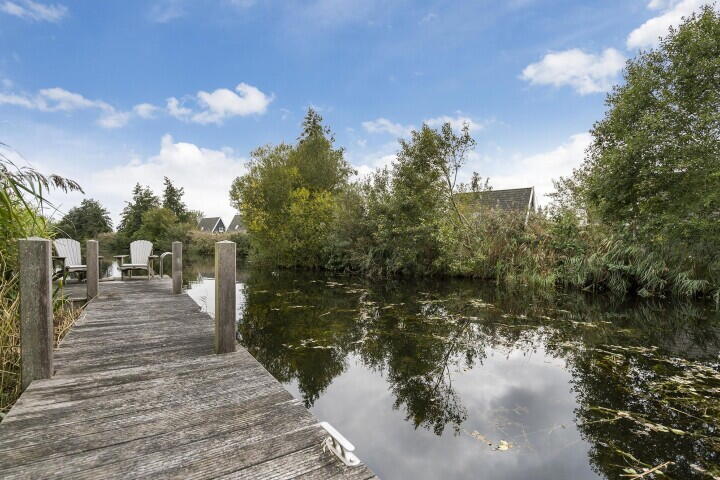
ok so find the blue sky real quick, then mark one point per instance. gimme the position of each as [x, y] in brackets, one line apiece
[115, 92]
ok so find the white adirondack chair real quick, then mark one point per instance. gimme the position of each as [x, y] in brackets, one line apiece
[140, 258]
[68, 253]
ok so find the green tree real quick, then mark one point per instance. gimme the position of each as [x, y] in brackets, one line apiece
[85, 221]
[653, 164]
[288, 196]
[161, 226]
[415, 202]
[649, 186]
[172, 200]
[132, 215]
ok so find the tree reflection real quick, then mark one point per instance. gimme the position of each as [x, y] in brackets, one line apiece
[634, 366]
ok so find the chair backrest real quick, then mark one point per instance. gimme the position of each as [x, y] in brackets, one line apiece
[70, 249]
[140, 250]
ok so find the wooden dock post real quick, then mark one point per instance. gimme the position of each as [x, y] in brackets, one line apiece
[36, 309]
[225, 309]
[93, 268]
[177, 267]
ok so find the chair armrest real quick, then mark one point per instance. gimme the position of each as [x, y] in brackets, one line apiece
[153, 256]
[58, 258]
[120, 258]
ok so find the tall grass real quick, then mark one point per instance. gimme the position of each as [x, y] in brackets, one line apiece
[22, 203]
[64, 316]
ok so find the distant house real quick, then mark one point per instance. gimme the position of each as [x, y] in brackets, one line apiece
[237, 225]
[513, 199]
[212, 225]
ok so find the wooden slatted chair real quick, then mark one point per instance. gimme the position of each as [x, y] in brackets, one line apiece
[141, 258]
[69, 256]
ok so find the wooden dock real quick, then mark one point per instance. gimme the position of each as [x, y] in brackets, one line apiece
[137, 392]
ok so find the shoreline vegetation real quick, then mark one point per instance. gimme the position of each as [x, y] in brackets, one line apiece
[640, 216]
[22, 206]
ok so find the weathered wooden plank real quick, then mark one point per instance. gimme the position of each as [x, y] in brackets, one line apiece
[249, 426]
[310, 463]
[138, 393]
[218, 455]
[66, 413]
[64, 442]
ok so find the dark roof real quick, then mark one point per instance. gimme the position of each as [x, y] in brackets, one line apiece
[512, 199]
[209, 224]
[236, 224]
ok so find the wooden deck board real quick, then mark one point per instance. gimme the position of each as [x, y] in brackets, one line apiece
[138, 393]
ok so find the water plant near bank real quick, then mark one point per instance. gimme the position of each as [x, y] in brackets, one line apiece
[460, 376]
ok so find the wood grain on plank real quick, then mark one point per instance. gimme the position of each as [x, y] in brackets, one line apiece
[138, 393]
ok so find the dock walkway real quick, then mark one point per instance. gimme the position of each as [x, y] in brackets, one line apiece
[138, 393]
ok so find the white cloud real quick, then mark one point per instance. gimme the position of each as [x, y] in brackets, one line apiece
[585, 72]
[224, 103]
[180, 162]
[383, 125]
[114, 119]
[16, 100]
[60, 100]
[672, 12]
[214, 107]
[145, 110]
[457, 122]
[34, 11]
[64, 100]
[166, 10]
[176, 109]
[366, 162]
[540, 169]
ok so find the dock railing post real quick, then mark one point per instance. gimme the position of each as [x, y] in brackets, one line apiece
[36, 309]
[225, 307]
[93, 269]
[177, 267]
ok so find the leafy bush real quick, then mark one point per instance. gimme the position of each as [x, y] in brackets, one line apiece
[203, 243]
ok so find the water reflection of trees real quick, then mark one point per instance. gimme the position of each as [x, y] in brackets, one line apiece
[304, 328]
[417, 347]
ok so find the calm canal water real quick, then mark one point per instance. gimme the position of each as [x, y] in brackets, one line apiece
[452, 379]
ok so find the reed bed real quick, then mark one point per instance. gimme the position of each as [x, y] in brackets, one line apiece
[65, 315]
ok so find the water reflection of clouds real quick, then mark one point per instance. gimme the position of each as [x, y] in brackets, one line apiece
[357, 402]
[390, 370]
[202, 291]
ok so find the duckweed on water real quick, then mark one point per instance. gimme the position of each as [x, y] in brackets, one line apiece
[511, 384]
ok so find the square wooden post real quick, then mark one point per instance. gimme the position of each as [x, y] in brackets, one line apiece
[36, 309]
[225, 308]
[177, 267]
[93, 268]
